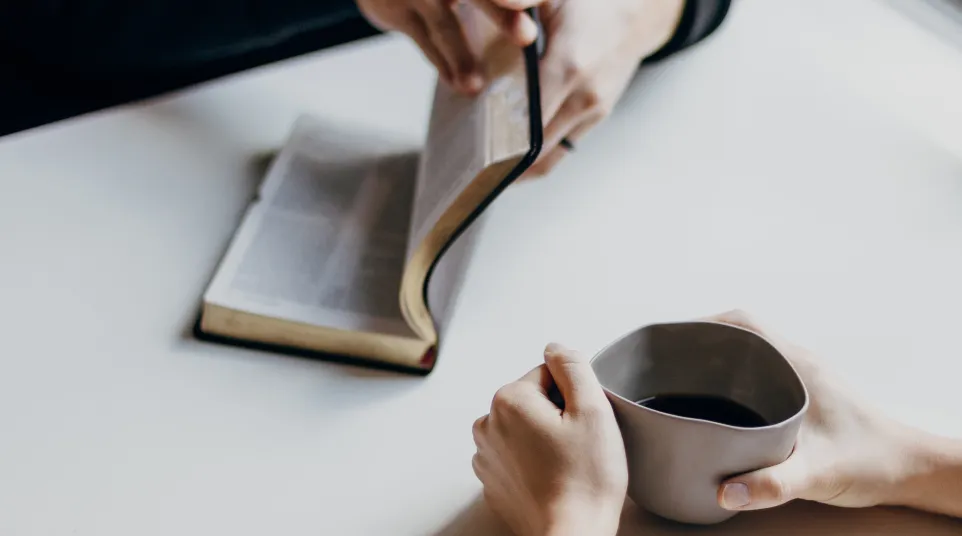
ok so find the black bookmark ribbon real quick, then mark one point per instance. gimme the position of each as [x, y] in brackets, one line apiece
[541, 45]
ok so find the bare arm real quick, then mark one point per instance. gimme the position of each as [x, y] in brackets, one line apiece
[935, 483]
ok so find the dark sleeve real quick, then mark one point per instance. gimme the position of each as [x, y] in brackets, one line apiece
[157, 32]
[699, 19]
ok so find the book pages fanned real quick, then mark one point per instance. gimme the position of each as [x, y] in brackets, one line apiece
[357, 242]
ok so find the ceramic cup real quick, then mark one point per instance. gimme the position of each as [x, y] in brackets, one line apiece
[675, 463]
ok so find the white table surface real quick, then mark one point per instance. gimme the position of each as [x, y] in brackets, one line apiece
[805, 165]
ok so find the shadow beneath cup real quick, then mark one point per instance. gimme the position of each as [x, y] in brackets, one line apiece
[797, 519]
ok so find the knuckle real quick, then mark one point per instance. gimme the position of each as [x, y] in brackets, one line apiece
[591, 100]
[593, 411]
[575, 69]
[476, 465]
[506, 400]
[478, 428]
[432, 14]
[776, 490]
[739, 317]
[503, 396]
[780, 492]
[405, 20]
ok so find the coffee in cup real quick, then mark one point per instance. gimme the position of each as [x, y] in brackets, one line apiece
[698, 403]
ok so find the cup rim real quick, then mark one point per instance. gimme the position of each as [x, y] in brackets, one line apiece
[802, 411]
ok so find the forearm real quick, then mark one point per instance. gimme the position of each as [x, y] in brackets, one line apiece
[935, 482]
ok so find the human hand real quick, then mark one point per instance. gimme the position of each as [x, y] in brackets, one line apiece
[592, 52]
[847, 453]
[548, 471]
[436, 28]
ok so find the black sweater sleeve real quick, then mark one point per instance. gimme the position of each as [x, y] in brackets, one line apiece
[150, 33]
[699, 19]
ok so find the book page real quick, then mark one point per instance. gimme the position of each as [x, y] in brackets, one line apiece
[454, 154]
[466, 135]
[448, 278]
[473, 146]
[325, 244]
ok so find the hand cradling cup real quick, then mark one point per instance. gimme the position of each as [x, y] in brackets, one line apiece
[697, 403]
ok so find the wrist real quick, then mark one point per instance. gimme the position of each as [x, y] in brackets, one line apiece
[660, 24]
[933, 465]
[585, 518]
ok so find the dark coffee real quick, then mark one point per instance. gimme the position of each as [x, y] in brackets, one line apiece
[706, 408]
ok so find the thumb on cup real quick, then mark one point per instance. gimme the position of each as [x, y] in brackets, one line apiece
[575, 379]
[765, 488]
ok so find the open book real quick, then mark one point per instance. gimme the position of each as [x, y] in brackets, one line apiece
[353, 248]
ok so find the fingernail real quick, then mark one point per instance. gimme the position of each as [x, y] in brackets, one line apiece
[473, 82]
[527, 30]
[735, 496]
